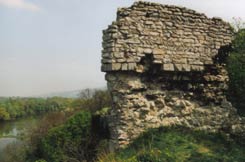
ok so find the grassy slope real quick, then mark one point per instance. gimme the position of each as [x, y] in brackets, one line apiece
[178, 145]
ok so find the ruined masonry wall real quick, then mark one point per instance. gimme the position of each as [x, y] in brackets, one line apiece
[164, 66]
[179, 39]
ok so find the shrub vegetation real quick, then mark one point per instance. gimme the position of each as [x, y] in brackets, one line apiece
[178, 145]
[236, 69]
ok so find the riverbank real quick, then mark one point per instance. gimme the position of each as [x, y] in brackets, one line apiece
[18, 138]
[14, 130]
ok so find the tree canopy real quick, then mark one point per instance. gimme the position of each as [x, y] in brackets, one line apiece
[236, 69]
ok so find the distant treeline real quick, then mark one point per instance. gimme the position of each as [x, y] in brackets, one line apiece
[16, 107]
[62, 135]
[12, 108]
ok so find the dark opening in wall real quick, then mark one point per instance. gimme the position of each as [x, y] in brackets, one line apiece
[150, 69]
[223, 53]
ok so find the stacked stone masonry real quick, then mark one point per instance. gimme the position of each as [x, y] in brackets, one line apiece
[164, 66]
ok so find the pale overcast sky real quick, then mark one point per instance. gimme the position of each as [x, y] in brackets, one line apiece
[55, 45]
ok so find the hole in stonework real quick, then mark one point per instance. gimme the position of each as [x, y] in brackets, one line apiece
[151, 97]
[223, 53]
[150, 69]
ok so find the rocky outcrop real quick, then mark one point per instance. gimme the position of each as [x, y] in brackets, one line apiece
[165, 66]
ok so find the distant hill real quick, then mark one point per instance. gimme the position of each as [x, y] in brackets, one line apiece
[69, 94]
[65, 94]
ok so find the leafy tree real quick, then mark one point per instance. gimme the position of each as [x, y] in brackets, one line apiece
[4, 115]
[86, 93]
[238, 24]
[98, 100]
[236, 69]
[70, 141]
[21, 107]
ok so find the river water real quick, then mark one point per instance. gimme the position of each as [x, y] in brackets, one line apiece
[10, 131]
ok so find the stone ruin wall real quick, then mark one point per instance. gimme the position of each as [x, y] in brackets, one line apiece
[164, 67]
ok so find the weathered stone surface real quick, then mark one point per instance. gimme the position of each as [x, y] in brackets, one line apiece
[131, 66]
[187, 67]
[116, 66]
[147, 51]
[173, 32]
[124, 66]
[157, 51]
[168, 67]
[162, 67]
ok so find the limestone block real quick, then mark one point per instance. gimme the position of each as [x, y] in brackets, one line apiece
[140, 68]
[208, 62]
[167, 60]
[157, 61]
[131, 66]
[133, 41]
[106, 55]
[195, 62]
[168, 67]
[124, 66]
[135, 84]
[118, 54]
[180, 104]
[186, 67]
[140, 50]
[106, 67]
[169, 23]
[180, 60]
[154, 33]
[197, 68]
[148, 51]
[110, 77]
[178, 67]
[149, 22]
[105, 60]
[157, 56]
[121, 60]
[157, 51]
[116, 66]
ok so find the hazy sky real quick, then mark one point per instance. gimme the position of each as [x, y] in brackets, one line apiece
[55, 45]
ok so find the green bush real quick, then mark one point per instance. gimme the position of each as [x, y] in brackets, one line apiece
[69, 141]
[178, 145]
[236, 69]
[40, 160]
[95, 100]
